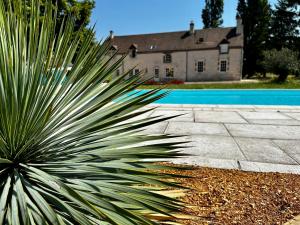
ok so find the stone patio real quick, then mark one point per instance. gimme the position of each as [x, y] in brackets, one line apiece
[249, 138]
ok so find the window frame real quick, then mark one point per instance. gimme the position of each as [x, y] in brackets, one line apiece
[222, 46]
[131, 73]
[156, 72]
[136, 71]
[222, 63]
[198, 66]
[169, 72]
[133, 53]
[167, 58]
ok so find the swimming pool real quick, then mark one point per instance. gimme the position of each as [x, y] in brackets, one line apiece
[233, 97]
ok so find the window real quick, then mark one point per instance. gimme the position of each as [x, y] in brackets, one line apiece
[200, 67]
[133, 50]
[156, 73]
[152, 47]
[118, 72]
[133, 53]
[169, 72]
[224, 48]
[200, 40]
[131, 73]
[223, 66]
[136, 71]
[167, 58]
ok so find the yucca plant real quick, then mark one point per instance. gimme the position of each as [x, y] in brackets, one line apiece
[68, 152]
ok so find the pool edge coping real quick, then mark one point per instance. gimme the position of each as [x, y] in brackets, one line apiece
[229, 89]
[224, 106]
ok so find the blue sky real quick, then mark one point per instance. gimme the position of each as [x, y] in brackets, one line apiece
[151, 16]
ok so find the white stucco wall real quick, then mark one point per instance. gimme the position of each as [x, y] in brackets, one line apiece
[185, 65]
[212, 59]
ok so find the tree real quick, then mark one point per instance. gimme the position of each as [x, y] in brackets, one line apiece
[81, 11]
[212, 13]
[241, 9]
[256, 15]
[69, 152]
[281, 62]
[285, 25]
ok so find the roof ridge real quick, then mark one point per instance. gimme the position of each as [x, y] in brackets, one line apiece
[171, 32]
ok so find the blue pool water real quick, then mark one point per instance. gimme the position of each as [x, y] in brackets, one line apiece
[233, 97]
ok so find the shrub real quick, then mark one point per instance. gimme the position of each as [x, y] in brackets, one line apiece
[175, 82]
[151, 82]
[281, 62]
[68, 152]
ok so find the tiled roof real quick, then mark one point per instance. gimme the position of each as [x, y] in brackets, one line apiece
[178, 41]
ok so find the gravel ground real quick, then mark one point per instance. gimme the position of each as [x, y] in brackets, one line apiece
[235, 197]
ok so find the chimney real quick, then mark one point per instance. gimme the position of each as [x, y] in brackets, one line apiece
[111, 34]
[192, 27]
[239, 25]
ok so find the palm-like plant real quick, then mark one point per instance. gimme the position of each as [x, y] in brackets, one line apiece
[68, 155]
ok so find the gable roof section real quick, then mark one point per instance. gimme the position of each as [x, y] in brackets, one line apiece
[179, 41]
[224, 41]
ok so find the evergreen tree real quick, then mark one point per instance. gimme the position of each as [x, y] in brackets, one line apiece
[285, 25]
[212, 13]
[256, 15]
[241, 9]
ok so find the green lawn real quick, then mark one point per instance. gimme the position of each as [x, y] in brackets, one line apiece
[291, 84]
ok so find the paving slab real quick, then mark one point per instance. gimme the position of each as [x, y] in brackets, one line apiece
[268, 110]
[276, 107]
[199, 105]
[289, 122]
[217, 147]
[294, 115]
[289, 110]
[167, 105]
[263, 150]
[177, 109]
[251, 138]
[269, 167]
[289, 146]
[158, 128]
[170, 140]
[264, 131]
[140, 117]
[207, 162]
[186, 116]
[234, 109]
[203, 109]
[263, 116]
[236, 106]
[218, 117]
[190, 128]
[296, 157]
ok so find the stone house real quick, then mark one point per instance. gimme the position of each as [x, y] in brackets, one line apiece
[194, 55]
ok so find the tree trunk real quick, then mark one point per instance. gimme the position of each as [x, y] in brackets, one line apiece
[282, 77]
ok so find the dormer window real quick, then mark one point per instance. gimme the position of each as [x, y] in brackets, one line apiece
[113, 49]
[133, 50]
[200, 40]
[167, 58]
[152, 47]
[224, 46]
